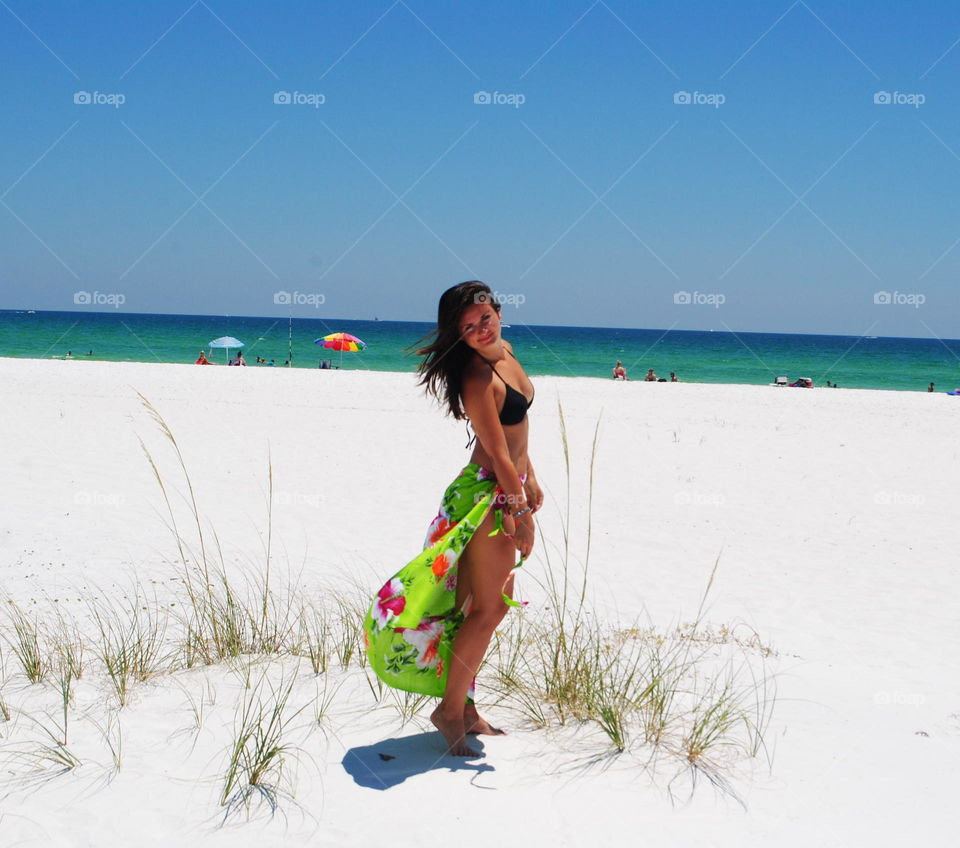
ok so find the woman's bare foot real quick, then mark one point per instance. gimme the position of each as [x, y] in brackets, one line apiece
[453, 732]
[475, 724]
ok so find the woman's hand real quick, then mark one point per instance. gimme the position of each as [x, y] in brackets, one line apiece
[522, 531]
[533, 492]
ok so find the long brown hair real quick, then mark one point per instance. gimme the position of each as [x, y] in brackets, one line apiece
[446, 357]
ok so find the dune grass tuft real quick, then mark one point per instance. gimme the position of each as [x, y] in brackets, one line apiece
[132, 644]
[259, 749]
[25, 644]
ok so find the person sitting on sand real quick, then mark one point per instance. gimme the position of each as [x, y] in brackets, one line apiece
[429, 626]
[930, 387]
[202, 359]
[651, 377]
[619, 372]
[238, 359]
[673, 377]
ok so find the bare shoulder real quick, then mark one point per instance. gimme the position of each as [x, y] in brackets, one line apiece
[507, 344]
[476, 376]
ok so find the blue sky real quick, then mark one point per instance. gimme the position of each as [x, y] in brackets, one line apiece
[781, 198]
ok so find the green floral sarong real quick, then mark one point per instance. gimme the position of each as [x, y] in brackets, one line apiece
[411, 624]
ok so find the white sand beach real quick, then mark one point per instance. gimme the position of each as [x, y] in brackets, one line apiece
[832, 513]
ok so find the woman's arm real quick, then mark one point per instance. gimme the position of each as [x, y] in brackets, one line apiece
[532, 487]
[480, 405]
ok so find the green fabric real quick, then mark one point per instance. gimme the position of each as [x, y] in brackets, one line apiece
[411, 624]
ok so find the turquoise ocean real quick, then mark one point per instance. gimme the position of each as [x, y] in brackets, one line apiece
[709, 357]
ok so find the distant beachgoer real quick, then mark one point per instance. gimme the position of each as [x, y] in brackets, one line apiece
[619, 372]
[202, 359]
[673, 377]
[930, 387]
[89, 353]
[69, 353]
[651, 377]
[271, 363]
[238, 359]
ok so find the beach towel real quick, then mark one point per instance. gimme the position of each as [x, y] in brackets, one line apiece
[411, 623]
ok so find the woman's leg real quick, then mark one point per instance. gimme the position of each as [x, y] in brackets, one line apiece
[485, 564]
[471, 718]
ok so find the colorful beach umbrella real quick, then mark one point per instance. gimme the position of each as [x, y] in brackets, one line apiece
[341, 342]
[226, 342]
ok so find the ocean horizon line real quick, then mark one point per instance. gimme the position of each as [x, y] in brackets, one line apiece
[505, 317]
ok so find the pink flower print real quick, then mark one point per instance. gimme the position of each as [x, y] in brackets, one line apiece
[389, 602]
[440, 526]
[484, 474]
[426, 639]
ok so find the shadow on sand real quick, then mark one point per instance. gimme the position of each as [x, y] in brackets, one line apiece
[392, 761]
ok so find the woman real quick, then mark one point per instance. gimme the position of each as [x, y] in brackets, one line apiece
[430, 625]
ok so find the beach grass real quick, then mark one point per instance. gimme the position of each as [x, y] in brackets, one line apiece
[259, 748]
[25, 644]
[132, 645]
[644, 690]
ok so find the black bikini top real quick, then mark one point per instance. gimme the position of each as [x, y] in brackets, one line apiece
[515, 405]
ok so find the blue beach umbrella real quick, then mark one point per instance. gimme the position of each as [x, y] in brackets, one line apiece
[226, 342]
